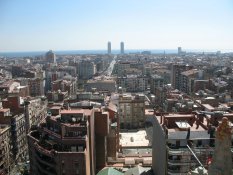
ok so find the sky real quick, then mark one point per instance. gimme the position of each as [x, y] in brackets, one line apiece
[38, 25]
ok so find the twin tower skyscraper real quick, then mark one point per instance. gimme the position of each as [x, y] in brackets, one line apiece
[121, 46]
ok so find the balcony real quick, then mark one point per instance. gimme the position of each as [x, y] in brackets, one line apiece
[44, 151]
[66, 139]
[51, 132]
[182, 162]
[186, 151]
[175, 173]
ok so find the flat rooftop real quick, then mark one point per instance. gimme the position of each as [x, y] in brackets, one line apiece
[86, 112]
[134, 139]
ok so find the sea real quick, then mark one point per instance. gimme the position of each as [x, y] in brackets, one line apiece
[84, 52]
[78, 52]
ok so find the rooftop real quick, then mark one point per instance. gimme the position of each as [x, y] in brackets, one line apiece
[4, 110]
[134, 139]
[190, 72]
[86, 112]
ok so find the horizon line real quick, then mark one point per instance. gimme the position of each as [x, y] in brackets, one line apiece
[173, 49]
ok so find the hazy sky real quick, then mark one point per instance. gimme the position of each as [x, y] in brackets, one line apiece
[35, 25]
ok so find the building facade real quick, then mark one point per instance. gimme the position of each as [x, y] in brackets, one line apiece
[156, 82]
[36, 87]
[61, 145]
[71, 142]
[174, 136]
[18, 134]
[86, 69]
[131, 111]
[176, 78]
[133, 83]
[5, 149]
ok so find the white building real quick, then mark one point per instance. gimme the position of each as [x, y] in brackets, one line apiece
[122, 48]
[109, 48]
[133, 83]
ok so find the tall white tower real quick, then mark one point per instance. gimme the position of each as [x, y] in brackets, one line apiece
[122, 48]
[109, 48]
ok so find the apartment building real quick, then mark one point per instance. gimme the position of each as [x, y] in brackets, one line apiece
[131, 111]
[5, 149]
[176, 78]
[65, 85]
[86, 69]
[35, 110]
[156, 82]
[174, 134]
[52, 74]
[36, 87]
[101, 85]
[120, 68]
[133, 83]
[68, 143]
[187, 80]
[18, 134]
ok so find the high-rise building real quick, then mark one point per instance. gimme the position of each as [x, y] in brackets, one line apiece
[50, 57]
[176, 77]
[179, 50]
[109, 48]
[122, 48]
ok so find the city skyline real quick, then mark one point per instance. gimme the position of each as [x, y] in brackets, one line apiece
[79, 25]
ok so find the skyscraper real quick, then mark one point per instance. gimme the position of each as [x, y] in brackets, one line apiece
[50, 57]
[122, 48]
[109, 48]
[179, 50]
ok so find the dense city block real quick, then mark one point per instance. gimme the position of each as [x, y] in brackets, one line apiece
[139, 113]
